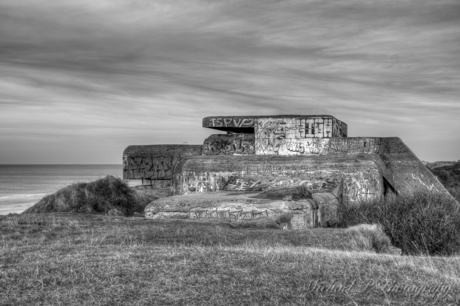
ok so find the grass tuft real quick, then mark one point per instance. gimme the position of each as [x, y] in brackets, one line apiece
[425, 223]
[369, 237]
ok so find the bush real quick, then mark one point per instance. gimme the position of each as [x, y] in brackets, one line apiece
[97, 197]
[449, 176]
[109, 193]
[455, 192]
[369, 237]
[425, 223]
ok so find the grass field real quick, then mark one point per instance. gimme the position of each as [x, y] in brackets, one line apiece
[100, 260]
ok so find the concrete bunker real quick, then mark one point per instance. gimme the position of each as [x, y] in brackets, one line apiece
[222, 177]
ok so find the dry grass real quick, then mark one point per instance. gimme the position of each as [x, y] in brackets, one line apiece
[100, 260]
[425, 223]
[369, 237]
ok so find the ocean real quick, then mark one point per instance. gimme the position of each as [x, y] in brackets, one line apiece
[21, 186]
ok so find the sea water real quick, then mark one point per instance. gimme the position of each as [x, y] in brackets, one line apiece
[21, 186]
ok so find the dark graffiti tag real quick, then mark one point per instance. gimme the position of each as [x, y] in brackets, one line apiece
[141, 167]
[228, 122]
[355, 145]
[228, 146]
[227, 213]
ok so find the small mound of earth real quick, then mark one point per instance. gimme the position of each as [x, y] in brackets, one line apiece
[109, 195]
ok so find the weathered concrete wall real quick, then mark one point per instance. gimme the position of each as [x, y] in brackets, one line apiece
[155, 162]
[315, 146]
[230, 206]
[230, 123]
[276, 154]
[279, 151]
[296, 128]
[403, 173]
[301, 126]
[402, 169]
[355, 180]
[229, 144]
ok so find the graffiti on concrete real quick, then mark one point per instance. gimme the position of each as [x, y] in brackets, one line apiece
[309, 146]
[358, 184]
[311, 136]
[339, 128]
[155, 162]
[227, 213]
[299, 126]
[234, 183]
[430, 187]
[291, 136]
[197, 182]
[271, 135]
[229, 144]
[295, 127]
[280, 146]
[276, 140]
[228, 122]
[355, 145]
[362, 186]
[142, 167]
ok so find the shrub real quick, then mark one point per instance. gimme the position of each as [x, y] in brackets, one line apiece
[455, 192]
[425, 223]
[449, 176]
[97, 197]
[109, 193]
[368, 237]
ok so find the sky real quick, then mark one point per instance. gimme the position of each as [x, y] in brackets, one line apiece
[82, 80]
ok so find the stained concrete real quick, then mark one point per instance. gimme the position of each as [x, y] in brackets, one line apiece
[229, 144]
[261, 153]
[356, 179]
[248, 124]
[320, 211]
[155, 162]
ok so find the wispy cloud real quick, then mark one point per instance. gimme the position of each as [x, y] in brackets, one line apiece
[97, 76]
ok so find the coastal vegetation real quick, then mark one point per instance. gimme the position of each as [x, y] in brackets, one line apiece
[109, 195]
[369, 237]
[448, 174]
[81, 259]
[423, 224]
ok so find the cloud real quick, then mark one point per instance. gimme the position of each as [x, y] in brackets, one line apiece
[148, 71]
